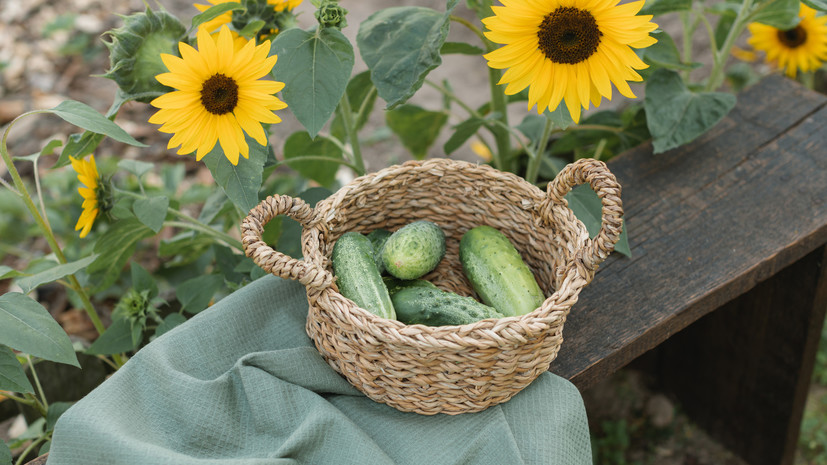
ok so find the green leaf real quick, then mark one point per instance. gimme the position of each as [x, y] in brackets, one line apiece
[171, 321]
[359, 94]
[587, 208]
[27, 326]
[400, 46]
[151, 211]
[118, 338]
[142, 280]
[212, 207]
[56, 409]
[659, 7]
[12, 376]
[675, 115]
[781, 14]
[819, 5]
[560, 118]
[7, 272]
[462, 132]
[315, 67]
[115, 248]
[29, 283]
[664, 54]
[299, 144]
[213, 12]
[240, 182]
[88, 118]
[5, 454]
[195, 294]
[136, 167]
[461, 48]
[416, 127]
[47, 150]
[78, 146]
[251, 29]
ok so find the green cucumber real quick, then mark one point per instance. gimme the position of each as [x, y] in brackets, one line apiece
[378, 237]
[395, 285]
[435, 307]
[414, 250]
[357, 276]
[498, 273]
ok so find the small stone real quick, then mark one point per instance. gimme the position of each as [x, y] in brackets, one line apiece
[660, 410]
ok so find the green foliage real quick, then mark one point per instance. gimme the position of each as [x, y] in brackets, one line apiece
[416, 127]
[27, 326]
[322, 157]
[12, 376]
[812, 443]
[240, 182]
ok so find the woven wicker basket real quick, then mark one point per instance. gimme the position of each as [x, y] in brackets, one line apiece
[446, 369]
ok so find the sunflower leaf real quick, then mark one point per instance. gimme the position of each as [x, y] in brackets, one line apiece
[675, 115]
[115, 248]
[359, 94]
[120, 336]
[88, 118]
[416, 127]
[818, 5]
[27, 326]
[151, 211]
[659, 7]
[240, 182]
[462, 132]
[461, 48]
[195, 294]
[29, 283]
[401, 45]
[213, 12]
[299, 144]
[588, 208]
[314, 66]
[781, 14]
[12, 376]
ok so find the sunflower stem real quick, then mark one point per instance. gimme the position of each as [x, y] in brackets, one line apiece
[719, 57]
[37, 384]
[470, 26]
[350, 128]
[43, 225]
[539, 150]
[30, 448]
[688, 29]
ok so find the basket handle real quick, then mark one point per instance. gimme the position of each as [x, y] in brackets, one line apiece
[605, 185]
[271, 260]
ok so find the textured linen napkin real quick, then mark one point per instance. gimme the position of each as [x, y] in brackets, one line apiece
[241, 384]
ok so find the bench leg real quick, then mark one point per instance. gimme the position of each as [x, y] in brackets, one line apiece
[743, 371]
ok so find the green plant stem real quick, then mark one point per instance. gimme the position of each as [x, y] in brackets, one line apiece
[287, 161]
[21, 400]
[190, 222]
[498, 105]
[453, 97]
[534, 159]
[470, 26]
[350, 128]
[37, 382]
[688, 29]
[808, 79]
[44, 226]
[27, 450]
[719, 57]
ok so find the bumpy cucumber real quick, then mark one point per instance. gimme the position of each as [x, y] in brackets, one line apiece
[395, 285]
[357, 276]
[414, 250]
[498, 273]
[378, 237]
[435, 307]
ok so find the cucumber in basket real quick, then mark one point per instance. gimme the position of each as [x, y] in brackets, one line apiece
[378, 237]
[414, 250]
[498, 273]
[395, 285]
[357, 277]
[434, 307]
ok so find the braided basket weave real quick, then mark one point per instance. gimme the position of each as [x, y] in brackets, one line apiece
[444, 369]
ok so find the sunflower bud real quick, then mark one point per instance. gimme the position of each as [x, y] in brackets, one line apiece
[330, 14]
[135, 52]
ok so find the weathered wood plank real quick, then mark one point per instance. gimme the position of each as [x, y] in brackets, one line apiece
[742, 372]
[708, 221]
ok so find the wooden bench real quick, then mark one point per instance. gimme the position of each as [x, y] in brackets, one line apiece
[726, 289]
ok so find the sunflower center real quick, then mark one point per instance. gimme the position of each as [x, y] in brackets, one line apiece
[794, 37]
[219, 94]
[568, 35]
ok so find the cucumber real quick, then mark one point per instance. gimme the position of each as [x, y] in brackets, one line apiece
[498, 273]
[435, 307]
[357, 276]
[378, 237]
[414, 250]
[395, 285]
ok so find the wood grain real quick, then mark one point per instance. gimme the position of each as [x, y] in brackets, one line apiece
[707, 222]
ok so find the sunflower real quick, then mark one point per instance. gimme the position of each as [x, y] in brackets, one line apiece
[225, 18]
[91, 193]
[220, 96]
[803, 47]
[572, 50]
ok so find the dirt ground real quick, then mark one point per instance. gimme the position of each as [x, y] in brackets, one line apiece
[49, 50]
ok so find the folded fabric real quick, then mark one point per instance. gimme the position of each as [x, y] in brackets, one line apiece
[242, 384]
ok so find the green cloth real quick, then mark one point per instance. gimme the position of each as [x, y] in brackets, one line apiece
[242, 384]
